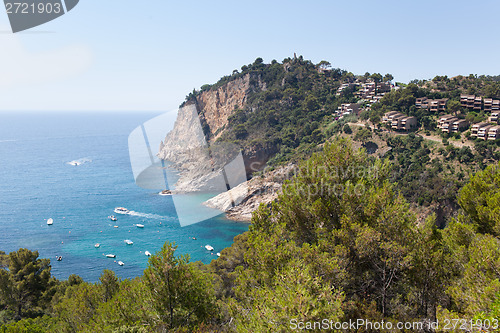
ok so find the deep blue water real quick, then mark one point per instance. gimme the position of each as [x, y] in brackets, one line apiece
[37, 183]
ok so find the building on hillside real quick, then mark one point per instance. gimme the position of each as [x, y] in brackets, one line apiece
[478, 103]
[344, 86]
[396, 121]
[494, 117]
[433, 105]
[443, 119]
[448, 124]
[421, 102]
[487, 104]
[459, 126]
[388, 116]
[482, 133]
[408, 123]
[464, 100]
[374, 92]
[399, 121]
[437, 105]
[476, 127]
[495, 105]
[494, 133]
[350, 108]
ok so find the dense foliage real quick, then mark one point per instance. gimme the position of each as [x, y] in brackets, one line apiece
[339, 243]
[342, 241]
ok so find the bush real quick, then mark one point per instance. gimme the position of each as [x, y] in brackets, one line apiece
[347, 129]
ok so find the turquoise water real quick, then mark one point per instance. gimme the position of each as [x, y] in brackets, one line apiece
[37, 183]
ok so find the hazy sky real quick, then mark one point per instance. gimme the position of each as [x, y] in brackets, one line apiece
[148, 55]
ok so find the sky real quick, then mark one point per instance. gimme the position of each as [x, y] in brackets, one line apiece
[123, 55]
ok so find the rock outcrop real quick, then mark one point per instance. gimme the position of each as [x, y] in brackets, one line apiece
[258, 190]
[200, 163]
[218, 105]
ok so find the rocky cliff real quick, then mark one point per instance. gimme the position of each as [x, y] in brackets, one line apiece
[191, 147]
[216, 106]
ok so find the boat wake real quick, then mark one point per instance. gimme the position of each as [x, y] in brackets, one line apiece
[79, 161]
[151, 216]
[2, 141]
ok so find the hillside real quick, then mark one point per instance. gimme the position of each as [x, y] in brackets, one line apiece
[280, 113]
[363, 218]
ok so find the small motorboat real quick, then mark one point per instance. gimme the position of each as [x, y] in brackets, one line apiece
[115, 226]
[165, 192]
[194, 238]
[97, 245]
[121, 210]
[138, 225]
[112, 218]
[147, 253]
[218, 254]
[128, 242]
[59, 258]
[121, 263]
[209, 248]
[50, 221]
[110, 255]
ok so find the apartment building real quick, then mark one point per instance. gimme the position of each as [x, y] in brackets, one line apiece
[396, 121]
[399, 121]
[494, 133]
[421, 102]
[477, 103]
[482, 133]
[408, 123]
[433, 105]
[443, 119]
[466, 99]
[476, 128]
[459, 126]
[437, 105]
[448, 125]
[371, 91]
[495, 105]
[388, 116]
[494, 117]
[487, 104]
[344, 86]
[348, 108]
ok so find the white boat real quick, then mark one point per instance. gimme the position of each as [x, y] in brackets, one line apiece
[218, 254]
[121, 263]
[110, 255]
[139, 225]
[165, 192]
[97, 245]
[128, 242]
[209, 248]
[74, 163]
[112, 218]
[121, 210]
[147, 253]
[50, 221]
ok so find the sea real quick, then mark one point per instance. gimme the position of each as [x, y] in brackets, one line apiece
[38, 181]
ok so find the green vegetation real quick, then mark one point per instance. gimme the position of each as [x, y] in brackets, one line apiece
[408, 235]
[288, 106]
[340, 243]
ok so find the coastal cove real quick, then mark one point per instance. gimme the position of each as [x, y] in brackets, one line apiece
[75, 169]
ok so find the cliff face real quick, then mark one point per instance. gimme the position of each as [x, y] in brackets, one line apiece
[217, 106]
[200, 164]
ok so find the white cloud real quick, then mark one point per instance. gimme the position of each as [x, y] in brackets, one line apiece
[20, 67]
